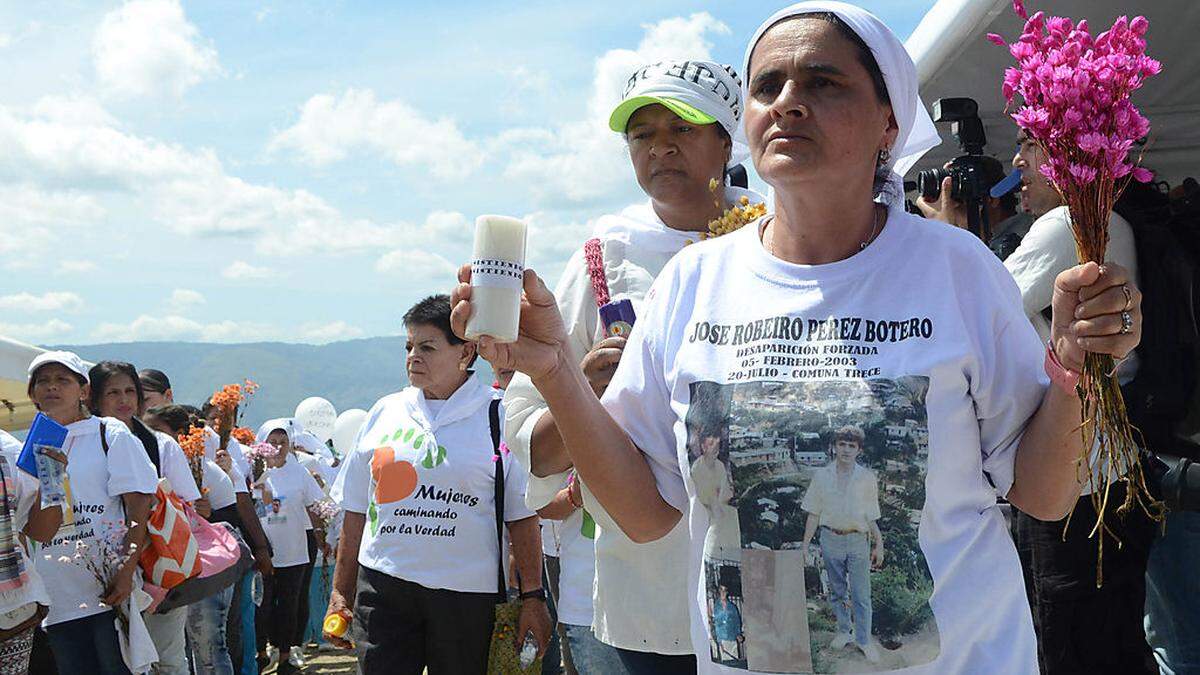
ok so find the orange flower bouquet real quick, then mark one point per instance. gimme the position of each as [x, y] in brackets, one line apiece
[192, 442]
[227, 400]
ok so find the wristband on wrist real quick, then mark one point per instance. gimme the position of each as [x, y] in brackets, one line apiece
[1060, 376]
[570, 495]
[534, 594]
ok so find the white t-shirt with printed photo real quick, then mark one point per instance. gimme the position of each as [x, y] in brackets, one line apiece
[285, 516]
[426, 483]
[921, 342]
[97, 482]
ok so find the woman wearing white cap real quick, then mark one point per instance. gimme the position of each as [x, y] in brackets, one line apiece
[111, 486]
[839, 309]
[680, 120]
[287, 491]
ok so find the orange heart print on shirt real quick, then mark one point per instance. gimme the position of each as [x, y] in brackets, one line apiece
[394, 480]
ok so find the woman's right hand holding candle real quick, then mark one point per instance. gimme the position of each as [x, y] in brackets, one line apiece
[540, 349]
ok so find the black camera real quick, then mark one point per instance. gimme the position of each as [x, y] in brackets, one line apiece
[1175, 481]
[971, 174]
[970, 178]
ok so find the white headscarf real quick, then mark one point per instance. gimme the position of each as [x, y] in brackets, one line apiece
[916, 131]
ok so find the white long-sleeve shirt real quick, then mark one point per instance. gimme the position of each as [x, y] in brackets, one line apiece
[1047, 250]
[639, 599]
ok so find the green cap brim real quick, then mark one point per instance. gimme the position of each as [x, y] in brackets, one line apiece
[619, 119]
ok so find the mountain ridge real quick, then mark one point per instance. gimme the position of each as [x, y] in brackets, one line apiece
[349, 373]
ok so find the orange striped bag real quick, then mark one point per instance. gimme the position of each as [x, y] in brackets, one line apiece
[171, 555]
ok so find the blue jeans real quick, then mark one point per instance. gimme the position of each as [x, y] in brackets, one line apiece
[206, 634]
[87, 645]
[246, 622]
[848, 563]
[591, 655]
[1173, 596]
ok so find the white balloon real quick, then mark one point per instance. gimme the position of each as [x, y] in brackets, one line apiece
[346, 429]
[317, 415]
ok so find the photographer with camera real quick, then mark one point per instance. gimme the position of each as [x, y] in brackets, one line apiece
[1000, 205]
[972, 187]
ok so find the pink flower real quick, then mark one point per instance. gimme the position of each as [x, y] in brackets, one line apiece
[996, 40]
[1139, 25]
[1092, 142]
[1142, 174]
[1082, 173]
[1019, 8]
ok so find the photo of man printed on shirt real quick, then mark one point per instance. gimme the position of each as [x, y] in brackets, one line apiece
[814, 492]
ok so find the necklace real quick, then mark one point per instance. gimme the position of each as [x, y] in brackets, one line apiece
[861, 245]
[874, 231]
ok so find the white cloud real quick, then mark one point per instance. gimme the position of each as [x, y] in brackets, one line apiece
[263, 13]
[73, 142]
[581, 161]
[29, 215]
[53, 301]
[416, 264]
[183, 299]
[175, 327]
[240, 270]
[148, 47]
[5, 40]
[76, 267]
[36, 332]
[329, 332]
[330, 128]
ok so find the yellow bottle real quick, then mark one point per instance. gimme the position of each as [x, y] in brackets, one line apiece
[337, 624]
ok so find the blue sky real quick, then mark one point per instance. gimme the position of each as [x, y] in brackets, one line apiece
[305, 171]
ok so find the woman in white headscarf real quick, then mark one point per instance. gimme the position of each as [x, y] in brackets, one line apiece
[840, 308]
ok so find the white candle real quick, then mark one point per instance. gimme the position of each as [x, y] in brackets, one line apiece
[497, 270]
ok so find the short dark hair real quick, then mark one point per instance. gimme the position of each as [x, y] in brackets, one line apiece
[176, 416]
[433, 311]
[104, 371]
[154, 380]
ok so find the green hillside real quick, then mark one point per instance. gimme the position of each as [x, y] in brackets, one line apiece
[351, 374]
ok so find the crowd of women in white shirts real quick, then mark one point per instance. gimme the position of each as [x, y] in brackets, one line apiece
[123, 432]
[442, 491]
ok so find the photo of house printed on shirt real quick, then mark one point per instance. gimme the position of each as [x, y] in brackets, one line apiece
[814, 493]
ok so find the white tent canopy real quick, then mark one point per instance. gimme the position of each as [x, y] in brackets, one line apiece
[16, 410]
[954, 59]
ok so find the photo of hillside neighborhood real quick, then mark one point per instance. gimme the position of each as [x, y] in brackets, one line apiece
[821, 485]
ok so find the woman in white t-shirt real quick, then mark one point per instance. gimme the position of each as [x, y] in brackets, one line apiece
[418, 561]
[116, 392]
[111, 488]
[680, 121]
[838, 309]
[286, 490]
[23, 597]
[206, 619]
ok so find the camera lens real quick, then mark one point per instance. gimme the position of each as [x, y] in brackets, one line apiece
[929, 182]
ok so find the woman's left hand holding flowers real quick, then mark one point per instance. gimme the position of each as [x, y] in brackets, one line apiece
[1096, 308]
